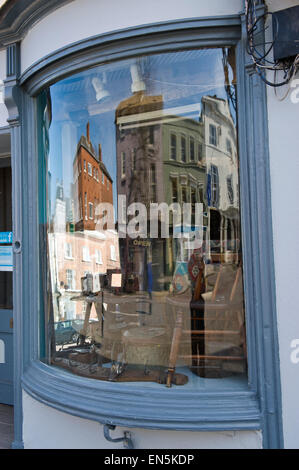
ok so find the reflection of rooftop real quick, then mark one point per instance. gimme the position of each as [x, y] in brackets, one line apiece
[159, 116]
[139, 103]
[85, 142]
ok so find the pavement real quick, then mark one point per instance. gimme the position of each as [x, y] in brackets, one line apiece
[6, 426]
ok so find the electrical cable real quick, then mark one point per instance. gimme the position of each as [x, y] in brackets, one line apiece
[263, 61]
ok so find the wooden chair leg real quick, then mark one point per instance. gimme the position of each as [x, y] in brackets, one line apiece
[83, 332]
[175, 344]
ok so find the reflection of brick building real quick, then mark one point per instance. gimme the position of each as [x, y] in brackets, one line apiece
[160, 159]
[92, 183]
[76, 245]
[139, 176]
[139, 160]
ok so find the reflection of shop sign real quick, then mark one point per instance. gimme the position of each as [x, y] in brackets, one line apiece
[141, 243]
[6, 258]
[5, 237]
[116, 280]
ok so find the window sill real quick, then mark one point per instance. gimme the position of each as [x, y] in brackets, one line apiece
[132, 404]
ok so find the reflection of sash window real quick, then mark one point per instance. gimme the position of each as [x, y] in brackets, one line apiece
[112, 253]
[184, 194]
[230, 190]
[85, 205]
[199, 152]
[213, 135]
[229, 147]
[173, 146]
[90, 204]
[80, 208]
[174, 188]
[70, 279]
[183, 148]
[134, 159]
[85, 253]
[151, 135]
[192, 149]
[214, 186]
[99, 259]
[123, 163]
[68, 250]
[153, 183]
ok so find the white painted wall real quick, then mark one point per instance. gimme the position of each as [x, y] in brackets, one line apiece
[284, 166]
[46, 428]
[82, 19]
[275, 5]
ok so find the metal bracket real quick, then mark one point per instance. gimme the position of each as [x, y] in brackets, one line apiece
[17, 247]
[127, 440]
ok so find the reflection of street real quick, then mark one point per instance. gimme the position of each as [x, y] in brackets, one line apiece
[67, 333]
[76, 246]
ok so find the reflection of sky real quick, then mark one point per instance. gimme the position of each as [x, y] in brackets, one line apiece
[182, 78]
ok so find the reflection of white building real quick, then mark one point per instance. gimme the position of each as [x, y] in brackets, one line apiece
[72, 256]
[222, 175]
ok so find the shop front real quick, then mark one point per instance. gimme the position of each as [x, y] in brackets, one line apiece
[143, 265]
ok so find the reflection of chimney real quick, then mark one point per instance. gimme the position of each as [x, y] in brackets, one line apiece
[87, 133]
[137, 82]
[100, 153]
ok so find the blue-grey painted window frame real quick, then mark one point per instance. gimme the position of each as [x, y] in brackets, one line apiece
[120, 404]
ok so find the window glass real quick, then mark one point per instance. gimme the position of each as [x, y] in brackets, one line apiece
[99, 257]
[123, 163]
[228, 146]
[200, 152]
[90, 210]
[68, 250]
[173, 146]
[149, 264]
[192, 149]
[134, 159]
[151, 135]
[213, 135]
[183, 148]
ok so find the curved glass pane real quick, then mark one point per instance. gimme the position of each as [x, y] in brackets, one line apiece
[140, 223]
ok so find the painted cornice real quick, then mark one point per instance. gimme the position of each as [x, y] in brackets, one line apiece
[18, 16]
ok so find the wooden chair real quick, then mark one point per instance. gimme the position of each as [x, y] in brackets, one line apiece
[204, 311]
